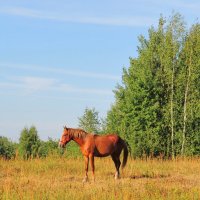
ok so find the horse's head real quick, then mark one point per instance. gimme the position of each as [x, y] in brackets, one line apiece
[65, 138]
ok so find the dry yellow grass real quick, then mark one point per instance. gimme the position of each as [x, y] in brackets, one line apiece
[61, 178]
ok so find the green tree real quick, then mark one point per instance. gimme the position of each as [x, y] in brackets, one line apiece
[7, 148]
[48, 147]
[90, 121]
[157, 104]
[29, 143]
[190, 76]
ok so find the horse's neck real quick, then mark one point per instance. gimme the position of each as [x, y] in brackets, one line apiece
[78, 137]
[79, 141]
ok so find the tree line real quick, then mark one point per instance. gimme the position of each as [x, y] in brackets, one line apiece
[31, 146]
[157, 105]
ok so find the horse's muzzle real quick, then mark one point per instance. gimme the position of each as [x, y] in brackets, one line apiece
[61, 145]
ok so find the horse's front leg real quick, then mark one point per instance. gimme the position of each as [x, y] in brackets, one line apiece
[86, 158]
[92, 165]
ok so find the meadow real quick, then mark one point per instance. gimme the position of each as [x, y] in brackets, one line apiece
[61, 178]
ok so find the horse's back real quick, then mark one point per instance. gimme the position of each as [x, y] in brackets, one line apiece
[111, 138]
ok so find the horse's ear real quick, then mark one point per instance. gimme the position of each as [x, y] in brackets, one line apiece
[65, 127]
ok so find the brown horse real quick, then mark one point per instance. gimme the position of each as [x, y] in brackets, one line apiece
[96, 146]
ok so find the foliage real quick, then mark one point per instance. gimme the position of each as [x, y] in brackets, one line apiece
[29, 143]
[72, 150]
[49, 147]
[90, 121]
[157, 105]
[7, 148]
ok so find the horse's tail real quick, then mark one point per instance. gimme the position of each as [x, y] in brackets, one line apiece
[125, 158]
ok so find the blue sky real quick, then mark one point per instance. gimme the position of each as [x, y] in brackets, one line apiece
[59, 57]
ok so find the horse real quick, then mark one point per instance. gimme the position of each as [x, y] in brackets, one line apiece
[93, 145]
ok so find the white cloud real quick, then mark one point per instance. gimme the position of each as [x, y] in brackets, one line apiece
[33, 84]
[57, 70]
[37, 83]
[29, 85]
[134, 21]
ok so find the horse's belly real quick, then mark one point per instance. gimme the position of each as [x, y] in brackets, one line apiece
[97, 154]
[103, 151]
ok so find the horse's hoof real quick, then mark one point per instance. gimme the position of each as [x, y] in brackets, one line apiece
[117, 176]
[85, 180]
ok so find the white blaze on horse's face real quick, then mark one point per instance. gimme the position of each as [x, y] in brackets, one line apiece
[65, 138]
[61, 144]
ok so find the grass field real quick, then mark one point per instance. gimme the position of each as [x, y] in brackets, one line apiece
[61, 178]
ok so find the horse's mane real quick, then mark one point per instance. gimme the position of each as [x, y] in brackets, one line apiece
[77, 133]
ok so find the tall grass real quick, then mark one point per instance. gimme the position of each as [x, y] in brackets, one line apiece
[61, 178]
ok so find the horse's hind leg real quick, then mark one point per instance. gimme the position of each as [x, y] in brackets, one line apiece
[117, 162]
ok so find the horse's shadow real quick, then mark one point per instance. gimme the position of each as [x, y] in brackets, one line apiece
[149, 176]
[141, 176]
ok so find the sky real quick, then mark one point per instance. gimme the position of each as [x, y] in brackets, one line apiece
[58, 57]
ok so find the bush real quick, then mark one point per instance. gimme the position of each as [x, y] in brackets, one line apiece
[49, 147]
[29, 143]
[7, 148]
